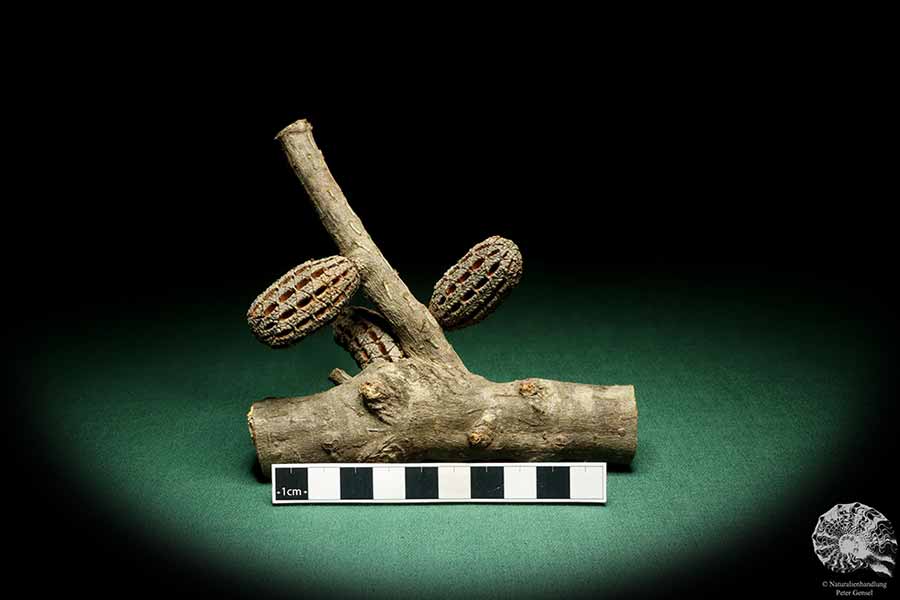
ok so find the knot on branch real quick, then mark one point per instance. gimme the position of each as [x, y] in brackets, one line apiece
[482, 434]
[529, 387]
[331, 445]
[535, 393]
[382, 400]
[559, 440]
[388, 450]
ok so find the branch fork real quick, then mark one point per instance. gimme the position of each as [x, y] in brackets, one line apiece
[414, 398]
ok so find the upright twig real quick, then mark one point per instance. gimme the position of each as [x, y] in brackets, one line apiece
[416, 329]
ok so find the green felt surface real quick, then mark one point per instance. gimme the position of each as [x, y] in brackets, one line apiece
[741, 397]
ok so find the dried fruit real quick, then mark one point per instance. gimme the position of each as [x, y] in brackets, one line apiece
[365, 334]
[308, 296]
[472, 288]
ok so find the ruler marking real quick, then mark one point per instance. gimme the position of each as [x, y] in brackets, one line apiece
[439, 483]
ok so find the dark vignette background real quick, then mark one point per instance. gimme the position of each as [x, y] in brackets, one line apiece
[735, 172]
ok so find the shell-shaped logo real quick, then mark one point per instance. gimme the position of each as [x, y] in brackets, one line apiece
[854, 536]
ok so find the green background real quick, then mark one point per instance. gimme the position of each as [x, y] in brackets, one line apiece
[746, 395]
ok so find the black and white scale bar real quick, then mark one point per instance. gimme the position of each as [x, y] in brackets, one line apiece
[404, 483]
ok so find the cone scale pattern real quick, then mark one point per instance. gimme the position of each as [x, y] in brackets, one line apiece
[365, 335]
[472, 288]
[303, 300]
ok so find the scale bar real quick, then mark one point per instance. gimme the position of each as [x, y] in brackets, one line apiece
[412, 483]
